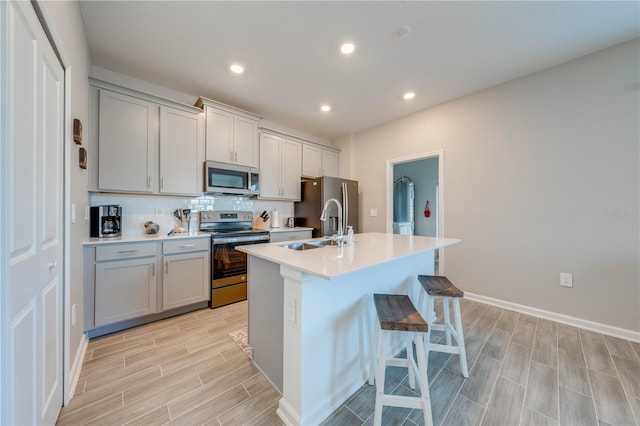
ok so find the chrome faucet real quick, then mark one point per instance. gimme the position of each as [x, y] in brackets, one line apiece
[323, 217]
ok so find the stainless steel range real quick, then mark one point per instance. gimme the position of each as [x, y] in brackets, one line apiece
[229, 229]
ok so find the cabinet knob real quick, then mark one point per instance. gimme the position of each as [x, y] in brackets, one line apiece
[53, 265]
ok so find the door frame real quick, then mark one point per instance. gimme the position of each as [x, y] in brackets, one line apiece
[439, 154]
[46, 20]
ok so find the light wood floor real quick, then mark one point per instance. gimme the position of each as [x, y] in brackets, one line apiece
[185, 370]
[523, 370]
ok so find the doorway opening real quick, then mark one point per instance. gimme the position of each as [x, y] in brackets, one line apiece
[415, 198]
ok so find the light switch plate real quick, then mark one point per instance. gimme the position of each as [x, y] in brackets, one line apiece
[566, 279]
[291, 309]
[73, 213]
[373, 212]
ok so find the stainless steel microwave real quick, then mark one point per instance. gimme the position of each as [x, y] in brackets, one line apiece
[222, 178]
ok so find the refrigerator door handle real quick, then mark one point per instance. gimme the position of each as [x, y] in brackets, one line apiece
[345, 207]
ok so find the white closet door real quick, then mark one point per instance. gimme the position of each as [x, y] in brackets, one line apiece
[32, 230]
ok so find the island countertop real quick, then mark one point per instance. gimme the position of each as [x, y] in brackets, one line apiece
[328, 262]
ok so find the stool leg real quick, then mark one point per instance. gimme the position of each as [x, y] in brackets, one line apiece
[447, 319]
[410, 361]
[382, 364]
[374, 352]
[463, 352]
[430, 316]
[423, 359]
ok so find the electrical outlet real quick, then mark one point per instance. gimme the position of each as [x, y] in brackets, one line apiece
[566, 279]
[373, 212]
[73, 213]
[158, 212]
[73, 314]
[291, 309]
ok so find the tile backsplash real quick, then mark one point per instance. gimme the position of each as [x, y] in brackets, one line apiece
[137, 209]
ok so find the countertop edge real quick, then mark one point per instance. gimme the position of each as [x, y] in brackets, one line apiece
[140, 238]
[443, 242]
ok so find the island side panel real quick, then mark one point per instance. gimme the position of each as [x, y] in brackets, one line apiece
[327, 347]
[265, 296]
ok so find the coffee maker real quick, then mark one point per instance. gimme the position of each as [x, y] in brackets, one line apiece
[106, 221]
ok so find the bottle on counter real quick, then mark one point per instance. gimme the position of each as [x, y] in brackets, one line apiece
[351, 238]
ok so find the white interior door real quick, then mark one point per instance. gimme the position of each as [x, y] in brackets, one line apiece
[32, 231]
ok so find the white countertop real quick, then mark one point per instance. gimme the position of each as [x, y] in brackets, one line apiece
[330, 261]
[135, 238]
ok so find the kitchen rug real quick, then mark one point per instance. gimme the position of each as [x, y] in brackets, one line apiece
[241, 338]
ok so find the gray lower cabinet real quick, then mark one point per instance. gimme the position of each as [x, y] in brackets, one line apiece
[128, 284]
[125, 282]
[186, 272]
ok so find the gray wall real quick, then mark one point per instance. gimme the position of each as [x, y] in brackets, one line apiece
[424, 174]
[66, 23]
[541, 177]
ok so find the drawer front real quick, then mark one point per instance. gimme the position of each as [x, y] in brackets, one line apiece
[186, 245]
[125, 251]
[230, 294]
[290, 236]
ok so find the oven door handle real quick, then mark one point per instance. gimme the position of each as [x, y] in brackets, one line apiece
[263, 238]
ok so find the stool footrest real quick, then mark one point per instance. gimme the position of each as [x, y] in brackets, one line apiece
[402, 401]
[444, 348]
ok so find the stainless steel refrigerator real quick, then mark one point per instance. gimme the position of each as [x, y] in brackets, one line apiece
[403, 205]
[314, 195]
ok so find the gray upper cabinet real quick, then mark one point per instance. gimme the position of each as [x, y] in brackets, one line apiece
[144, 144]
[181, 151]
[318, 162]
[231, 134]
[280, 168]
[128, 143]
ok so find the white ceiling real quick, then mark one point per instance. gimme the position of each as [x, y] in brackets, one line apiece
[290, 51]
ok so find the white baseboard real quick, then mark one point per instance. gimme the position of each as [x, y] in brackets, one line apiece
[565, 319]
[74, 374]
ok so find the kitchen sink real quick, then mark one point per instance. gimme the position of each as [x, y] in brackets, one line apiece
[301, 246]
[309, 245]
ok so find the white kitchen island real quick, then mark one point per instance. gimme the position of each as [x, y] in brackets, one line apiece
[311, 314]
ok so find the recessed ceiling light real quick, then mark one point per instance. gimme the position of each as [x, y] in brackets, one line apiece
[409, 95]
[347, 48]
[325, 108]
[236, 68]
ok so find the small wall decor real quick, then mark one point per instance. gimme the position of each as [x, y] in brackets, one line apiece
[427, 210]
[82, 158]
[77, 131]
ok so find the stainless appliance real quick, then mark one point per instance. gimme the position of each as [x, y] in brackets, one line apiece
[229, 229]
[403, 206]
[222, 178]
[105, 221]
[315, 193]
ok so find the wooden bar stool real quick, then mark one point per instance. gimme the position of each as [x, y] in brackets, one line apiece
[396, 313]
[437, 286]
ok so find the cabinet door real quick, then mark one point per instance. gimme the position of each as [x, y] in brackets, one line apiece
[269, 166]
[245, 141]
[219, 136]
[181, 158]
[330, 163]
[290, 169]
[311, 161]
[128, 143]
[185, 279]
[124, 289]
